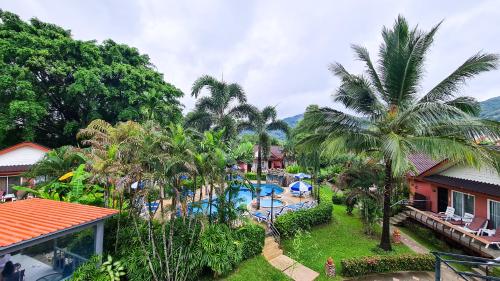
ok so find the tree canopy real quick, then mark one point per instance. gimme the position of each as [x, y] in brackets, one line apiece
[51, 84]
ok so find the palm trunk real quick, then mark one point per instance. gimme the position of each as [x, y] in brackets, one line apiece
[385, 240]
[259, 173]
[210, 202]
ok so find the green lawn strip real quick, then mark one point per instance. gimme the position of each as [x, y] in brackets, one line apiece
[427, 242]
[256, 268]
[343, 238]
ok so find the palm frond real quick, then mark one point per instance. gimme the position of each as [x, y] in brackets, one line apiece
[473, 66]
[269, 113]
[243, 110]
[279, 125]
[236, 91]
[364, 56]
[200, 83]
[468, 105]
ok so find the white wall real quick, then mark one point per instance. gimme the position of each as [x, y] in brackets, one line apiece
[22, 156]
[487, 175]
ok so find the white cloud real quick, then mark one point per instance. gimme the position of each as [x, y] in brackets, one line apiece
[278, 51]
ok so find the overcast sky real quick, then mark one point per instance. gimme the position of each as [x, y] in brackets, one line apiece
[279, 51]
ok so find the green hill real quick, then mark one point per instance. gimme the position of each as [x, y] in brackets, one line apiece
[490, 109]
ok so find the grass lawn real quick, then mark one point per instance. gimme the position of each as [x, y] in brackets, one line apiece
[256, 268]
[343, 238]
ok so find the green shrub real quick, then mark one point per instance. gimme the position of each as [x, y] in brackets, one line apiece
[90, 271]
[253, 176]
[251, 236]
[360, 266]
[289, 223]
[221, 252]
[293, 169]
[338, 198]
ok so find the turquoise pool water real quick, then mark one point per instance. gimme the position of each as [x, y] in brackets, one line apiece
[244, 197]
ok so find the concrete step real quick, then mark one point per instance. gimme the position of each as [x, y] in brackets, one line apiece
[479, 271]
[270, 254]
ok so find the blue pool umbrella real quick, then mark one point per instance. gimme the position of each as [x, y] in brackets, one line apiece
[300, 186]
[302, 176]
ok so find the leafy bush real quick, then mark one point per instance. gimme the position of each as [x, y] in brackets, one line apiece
[377, 264]
[251, 236]
[221, 252]
[253, 176]
[338, 198]
[293, 169]
[289, 223]
[90, 271]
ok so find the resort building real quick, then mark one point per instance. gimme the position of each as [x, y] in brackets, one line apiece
[466, 189]
[16, 160]
[275, 159]
[47, 239]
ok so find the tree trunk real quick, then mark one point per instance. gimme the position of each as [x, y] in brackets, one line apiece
[210, 202]
[385, 240]
[259, 174]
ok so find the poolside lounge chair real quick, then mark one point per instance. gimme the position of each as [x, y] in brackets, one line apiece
[150, 209]
[296, 193]
[295, 207]
[260, 217]
[476, 225]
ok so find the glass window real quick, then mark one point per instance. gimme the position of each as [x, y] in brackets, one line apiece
[13, 181]
[458, 199]
[463, 203]
[494, 214]
[3, 184]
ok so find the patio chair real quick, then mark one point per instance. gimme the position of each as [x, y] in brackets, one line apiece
[150, 209]
[260, 217]
[296, 193]
[448, 214]
[494, 239]
[475, 225]
[295, 207]
[467, 218]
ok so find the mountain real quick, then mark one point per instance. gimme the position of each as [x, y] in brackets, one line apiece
[292, 121]
[490, 109]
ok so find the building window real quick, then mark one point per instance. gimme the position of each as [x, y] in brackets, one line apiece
[463, 203]
[6, 184]
[494, 213]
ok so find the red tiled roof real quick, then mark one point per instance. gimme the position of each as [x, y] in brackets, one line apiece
[422, 163]
[275, 151]
[28, 219]
[24, 144]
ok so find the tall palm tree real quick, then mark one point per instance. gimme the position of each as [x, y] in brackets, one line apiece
[261, 123]
[394, 120]
[216, 111]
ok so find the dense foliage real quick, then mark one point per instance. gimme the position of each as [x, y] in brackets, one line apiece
[251, 237]
[288, 224]
[52, 85]
[360, 266]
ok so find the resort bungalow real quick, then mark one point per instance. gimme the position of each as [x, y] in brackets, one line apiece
[459, 202]
[48, 240]
[275, 159]
[16, 160]
[442, 184]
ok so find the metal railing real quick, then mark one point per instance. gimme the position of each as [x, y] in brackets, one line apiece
[274, 232]
[448, 259]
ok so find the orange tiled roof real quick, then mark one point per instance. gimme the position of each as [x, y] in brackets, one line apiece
[28, 219]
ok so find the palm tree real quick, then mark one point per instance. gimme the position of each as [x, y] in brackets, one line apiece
[393, 120]
[216, 111]
[261, 122]
[57, 162]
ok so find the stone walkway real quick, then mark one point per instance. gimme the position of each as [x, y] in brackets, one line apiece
[296, 271]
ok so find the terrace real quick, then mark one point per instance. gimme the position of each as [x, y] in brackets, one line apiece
[475, 243]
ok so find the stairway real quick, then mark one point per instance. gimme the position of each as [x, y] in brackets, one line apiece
[271, 249]
[399, 218]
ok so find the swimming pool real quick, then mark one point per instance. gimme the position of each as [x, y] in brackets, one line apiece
[244, 197]
[266, 203]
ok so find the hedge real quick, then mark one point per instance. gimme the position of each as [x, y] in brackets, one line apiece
[288, 224]
[253, 176]
[252, 237]
[338, 198]
[353, 267]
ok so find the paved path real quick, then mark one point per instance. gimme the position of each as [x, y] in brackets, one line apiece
[296, 271]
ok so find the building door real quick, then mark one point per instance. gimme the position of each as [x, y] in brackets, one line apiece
[442, 199]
